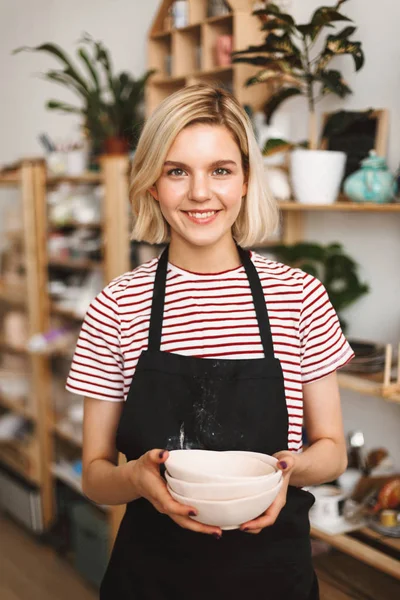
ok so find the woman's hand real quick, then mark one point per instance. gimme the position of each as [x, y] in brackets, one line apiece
[286, 464]
[150, 485]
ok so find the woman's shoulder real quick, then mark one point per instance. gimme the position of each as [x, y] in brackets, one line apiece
[281, 271]
[139, 281]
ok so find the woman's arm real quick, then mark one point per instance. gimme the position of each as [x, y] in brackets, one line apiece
[106, 482]
[326, 457]
[103, 481]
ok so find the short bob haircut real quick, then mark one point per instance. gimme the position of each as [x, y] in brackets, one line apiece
[202, 103]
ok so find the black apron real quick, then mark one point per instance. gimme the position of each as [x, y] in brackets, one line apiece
[220, 405]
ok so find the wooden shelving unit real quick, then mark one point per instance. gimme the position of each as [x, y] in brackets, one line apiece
[114, 229]
[187, 55]
[25, 456]
[35, 461]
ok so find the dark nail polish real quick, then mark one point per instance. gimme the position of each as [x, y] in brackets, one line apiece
[217, 536]
[192, 513]
[161, 454]
[283, 464]
[245, 529]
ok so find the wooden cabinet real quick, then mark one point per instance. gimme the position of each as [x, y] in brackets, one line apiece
[189, 55]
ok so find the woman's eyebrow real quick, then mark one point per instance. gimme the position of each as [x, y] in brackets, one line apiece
[181, 165]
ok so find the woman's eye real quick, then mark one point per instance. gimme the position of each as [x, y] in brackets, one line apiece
[221, 171]
[176, 172]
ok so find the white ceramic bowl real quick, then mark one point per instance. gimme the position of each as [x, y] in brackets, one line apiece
[230, 490]
[208, 466]
[229, 514]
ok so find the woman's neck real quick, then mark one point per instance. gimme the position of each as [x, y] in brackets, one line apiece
[216, 258]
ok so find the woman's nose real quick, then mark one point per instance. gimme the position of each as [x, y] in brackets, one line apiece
[199, 188]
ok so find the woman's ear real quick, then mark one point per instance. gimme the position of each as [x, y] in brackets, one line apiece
[244, 189]
[153, 192]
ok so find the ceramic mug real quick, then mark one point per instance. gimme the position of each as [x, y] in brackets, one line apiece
[328, 506]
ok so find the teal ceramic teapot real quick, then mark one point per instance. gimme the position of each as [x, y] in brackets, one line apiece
[372, 183]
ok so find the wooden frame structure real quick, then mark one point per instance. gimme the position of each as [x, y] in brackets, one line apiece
[187, 55]
[36, 462]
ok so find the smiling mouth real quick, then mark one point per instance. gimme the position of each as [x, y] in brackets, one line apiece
[200, 214]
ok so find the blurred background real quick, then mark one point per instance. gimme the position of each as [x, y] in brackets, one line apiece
[320, 85]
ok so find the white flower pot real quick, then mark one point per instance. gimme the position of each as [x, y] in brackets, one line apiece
[316, 175]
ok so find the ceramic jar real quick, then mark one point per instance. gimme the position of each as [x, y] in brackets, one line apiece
[372, 183]
[316, 175]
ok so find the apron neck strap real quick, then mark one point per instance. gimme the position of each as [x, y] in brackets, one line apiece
[157, 307]
[259, 302]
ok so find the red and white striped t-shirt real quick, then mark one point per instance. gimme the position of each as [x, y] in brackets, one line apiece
[211, 316]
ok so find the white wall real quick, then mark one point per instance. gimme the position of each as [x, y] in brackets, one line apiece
[121, 24]
[373, 240]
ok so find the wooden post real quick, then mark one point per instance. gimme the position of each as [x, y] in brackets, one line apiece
[116, 215]
[292, 224]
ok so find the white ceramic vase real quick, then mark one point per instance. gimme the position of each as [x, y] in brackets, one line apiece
[316, 175]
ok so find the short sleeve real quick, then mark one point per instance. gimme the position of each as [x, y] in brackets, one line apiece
[324, 348]
[97, 364]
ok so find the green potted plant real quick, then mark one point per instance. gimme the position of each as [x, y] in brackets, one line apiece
[291, 65]
[331, 265]
[111, 103]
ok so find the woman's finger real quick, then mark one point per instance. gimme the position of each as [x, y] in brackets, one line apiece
[164, 502]
[267, 519]
[192, 525]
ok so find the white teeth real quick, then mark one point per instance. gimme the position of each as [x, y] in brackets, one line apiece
[202, 215]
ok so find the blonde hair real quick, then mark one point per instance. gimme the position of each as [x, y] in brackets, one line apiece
[258, 216]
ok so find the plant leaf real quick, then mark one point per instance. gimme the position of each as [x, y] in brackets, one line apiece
[281, 44]
[346, 32]
[326, 15]
[273, 75]
[272, 10]
[276, 145]
[332, 81]
[58, 53]
[277, 99]
[55, 105]
[336, 46]
[90, 67]
[258, 60]
[277, 24]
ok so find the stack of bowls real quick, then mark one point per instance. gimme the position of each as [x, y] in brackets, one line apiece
[226, 488]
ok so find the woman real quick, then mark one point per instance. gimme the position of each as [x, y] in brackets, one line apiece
[216, 342]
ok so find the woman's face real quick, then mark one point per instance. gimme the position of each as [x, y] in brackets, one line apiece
[201, 186]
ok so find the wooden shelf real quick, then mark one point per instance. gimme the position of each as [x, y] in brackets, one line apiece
[5, 347]
[22, 457]
[63, 431]
[87, 178]
[195, 44]
[223, 19]
[13, 294]
[74, 225]
[65, 473]
[33, 459]
[341, 205]
[78, 264]
[370, 385]
[67, 314]
[10, 178]
[165, 80]
[17, 407]
[362, 550]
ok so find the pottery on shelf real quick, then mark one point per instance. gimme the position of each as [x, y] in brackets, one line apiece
[316, 175]
[372, 183]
